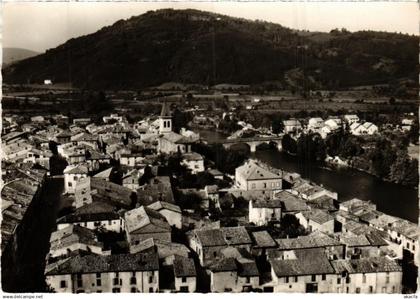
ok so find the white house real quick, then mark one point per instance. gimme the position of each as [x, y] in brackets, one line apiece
[193, 161]
[170, 211]
[72, 174]
[378, 275]
[252, 176]
[117, 273]
[185, 274]
[315, 123]
[315, 219]
[351, 118]
[261, 212]
[291, 126]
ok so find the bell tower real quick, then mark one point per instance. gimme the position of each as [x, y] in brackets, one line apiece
[165, 120]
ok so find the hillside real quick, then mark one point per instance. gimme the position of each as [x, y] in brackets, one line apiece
[11, 55]
[189, 46]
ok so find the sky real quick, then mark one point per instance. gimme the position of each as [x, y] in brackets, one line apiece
[40, 26]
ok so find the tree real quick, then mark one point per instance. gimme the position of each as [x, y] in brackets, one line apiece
[404, 170]
[289, 144]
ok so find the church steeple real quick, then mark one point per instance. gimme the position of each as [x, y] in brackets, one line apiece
[165, 119]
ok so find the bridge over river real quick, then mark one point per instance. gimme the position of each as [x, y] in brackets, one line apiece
[252, 142]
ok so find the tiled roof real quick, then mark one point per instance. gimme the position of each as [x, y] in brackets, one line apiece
[316, 239]
[210, 237]
[267, 204]
[160, 205]
[248, 269]
[106, 263]
[366, 265]
[184, 267]
[104, 174]
[263, 239]
[318, 216]
[252, 171]
[291, 202]
[76, 169]
[224, 265]
[95, 211]
[141, 217]
[73, 234]
[236, 235]
[308, 262]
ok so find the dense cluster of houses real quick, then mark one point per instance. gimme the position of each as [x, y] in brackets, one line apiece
[331, 125]
[127, 232]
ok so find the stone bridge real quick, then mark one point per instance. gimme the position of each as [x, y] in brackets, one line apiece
[252, 142]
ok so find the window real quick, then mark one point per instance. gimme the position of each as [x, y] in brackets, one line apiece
[408, 245]
[69, 184]
[357, 290]
[370, 289]
[109, 222]
[184, 289]
[324, 277]
[364, 278]
[79, 280]
[97, 223]
[150, 290]
[348, 279]
[184, 279]
[248, 280]
[387, 278]
[133, 280]
[151, 279]
[98, 279]
[75, 178]
[63, 284]
[338, 280]
[286, 279]
[414, 247]
[313, 277]
[253, 186]
[347, 289]
[116, 290]
[393, 289]
[296, 279]
[265, 185]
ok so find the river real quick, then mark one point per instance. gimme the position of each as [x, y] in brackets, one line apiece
[390, 198]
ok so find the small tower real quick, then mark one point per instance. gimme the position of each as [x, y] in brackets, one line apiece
[165, 120]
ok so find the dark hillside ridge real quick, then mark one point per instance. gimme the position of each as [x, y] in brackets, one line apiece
[189, 46]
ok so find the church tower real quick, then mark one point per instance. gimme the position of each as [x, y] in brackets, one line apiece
[165, 120]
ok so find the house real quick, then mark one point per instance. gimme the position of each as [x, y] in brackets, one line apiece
[308, 272]
[291, 204]
[131, 159]
[351, 119]
[172, 142]
[171, 212]
[105, 174]
[354, 205]
[315, 219]
[144, 223]
[369, 244]
[193, 161]
[159, 188]
[73, 174]
[368, 275]
[370, 128]
[93, 189]
[406, 124]
[262, 242]
[287, 248]
[96, 215]
[74, 238]
[291, 126]
[309, 191]
[262, 212]
[315, 123]
[216, 174]
[185, 274]
[117, 273]
[209, 243]
[407, 234]
[82, 121]
[166, 250]
[252, 176]
[212, 195]
[16, 151]
[232, 275]
[112, 118]
[334, 123]
[131, 179]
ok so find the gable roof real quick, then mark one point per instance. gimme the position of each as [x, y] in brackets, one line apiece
[263, 239]
[160, 205]
[106, 263]
[184, 267]
[236, 235]
[308, 262]
[104, 174]
[291, 202]
[316, 239]
[73, 234]
[318, 216]
[366, 265]
[95, 211]
[252, 171]
[137, 219]
[76, 169]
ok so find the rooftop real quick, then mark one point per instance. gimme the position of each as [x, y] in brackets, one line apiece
[366, 265]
